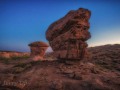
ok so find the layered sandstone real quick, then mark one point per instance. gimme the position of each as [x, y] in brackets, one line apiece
[68, 35]
[38, 50]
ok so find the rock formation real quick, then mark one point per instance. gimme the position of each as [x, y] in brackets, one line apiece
[68, 35]
[38, 50]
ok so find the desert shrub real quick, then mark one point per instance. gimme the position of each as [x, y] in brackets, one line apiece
[18, 70]
[28, 65]
[4, 60]
[35, 62]
[21, 67]
[19, 57]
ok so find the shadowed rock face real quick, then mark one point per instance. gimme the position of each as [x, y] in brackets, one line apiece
[67, 36]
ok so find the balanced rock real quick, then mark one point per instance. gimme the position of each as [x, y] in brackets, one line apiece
[38, 50]
[68, 35]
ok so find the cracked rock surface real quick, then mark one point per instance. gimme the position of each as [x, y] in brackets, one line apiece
[68, 35]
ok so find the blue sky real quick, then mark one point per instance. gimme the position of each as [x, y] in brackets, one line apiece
[26, 21]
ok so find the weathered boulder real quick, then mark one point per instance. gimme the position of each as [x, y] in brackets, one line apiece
[38, 50]
[67, 36]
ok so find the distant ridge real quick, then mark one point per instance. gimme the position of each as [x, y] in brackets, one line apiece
[13, 51]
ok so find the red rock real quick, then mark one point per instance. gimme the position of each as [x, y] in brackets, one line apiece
[67, 36]
[38, 50]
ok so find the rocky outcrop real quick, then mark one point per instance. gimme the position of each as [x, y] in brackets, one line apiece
[38, 50]
[68, 35]
[102, 72]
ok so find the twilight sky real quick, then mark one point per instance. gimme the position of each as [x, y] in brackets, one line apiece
[26, 21]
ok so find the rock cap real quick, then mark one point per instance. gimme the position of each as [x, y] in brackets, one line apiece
[38, 44]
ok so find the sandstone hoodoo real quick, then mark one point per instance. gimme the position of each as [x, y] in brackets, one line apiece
[68, 35]
[38, 50]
